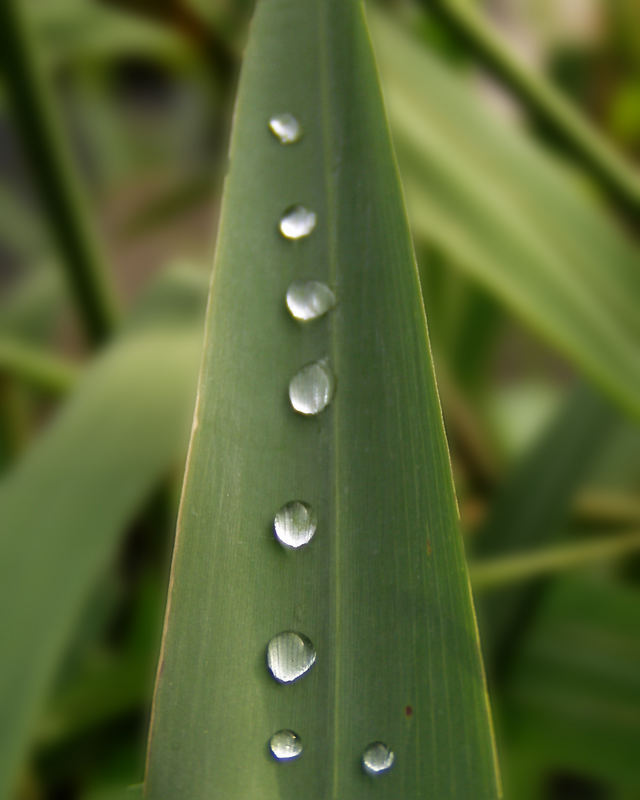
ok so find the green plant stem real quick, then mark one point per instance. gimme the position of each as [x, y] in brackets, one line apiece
[497, 572]
[53, 171]
[607, 507]
[543, 100]
[43, 371]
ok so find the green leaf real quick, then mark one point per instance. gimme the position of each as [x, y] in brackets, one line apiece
[497, 572]
[573, 698]
[504, 211]
[382, 589]
[67, 502]
[53, 170]
[532, 506]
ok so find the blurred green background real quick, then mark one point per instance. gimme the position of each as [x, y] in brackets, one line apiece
[529, 267]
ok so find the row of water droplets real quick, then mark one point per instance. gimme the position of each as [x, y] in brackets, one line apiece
[290, 655]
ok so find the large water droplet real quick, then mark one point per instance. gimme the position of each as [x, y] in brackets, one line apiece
[309, 299]
[289, 656]
[285, 127]
[377, 758]
[297, 222]
[311, 389]
[295, 524]
[285, 745]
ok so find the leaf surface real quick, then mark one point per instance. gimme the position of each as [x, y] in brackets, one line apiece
[382, 589]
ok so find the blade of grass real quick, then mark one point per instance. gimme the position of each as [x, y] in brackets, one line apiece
[546, 102]
[52, 169]
[503, 210]
[41, 370]
[532, 506]
[67, 502]
[573, 696]
[489, 574]
[382, 589]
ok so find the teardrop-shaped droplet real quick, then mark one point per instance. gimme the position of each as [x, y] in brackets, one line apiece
[297, 222]
[309, 299]
[377, 758]
[311, 389]
[286, 128]
[289, 656]
[295, 524]
[285, 745]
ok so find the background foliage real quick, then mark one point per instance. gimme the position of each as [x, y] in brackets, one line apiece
[529, 271]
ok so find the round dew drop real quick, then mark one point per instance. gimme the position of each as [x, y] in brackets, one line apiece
[295, 524]
[377, 759]
[312, 388]
[285, 746]
[290, 655]
[307, 300]
[297, 222]
[286, 128]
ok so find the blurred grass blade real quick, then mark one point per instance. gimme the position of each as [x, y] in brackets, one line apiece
[382, 589]
[533, 505]
[53, 170]
[573, 697]
[491, 573]
[67, 502]
[546, 102]
[36, 367]
[501, 209]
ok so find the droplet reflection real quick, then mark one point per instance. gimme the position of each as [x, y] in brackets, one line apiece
[286, 128]
[285, 745]
[377, 758]
[290, 655]
[307, 300]
[295, 524]
[297, 222]
[312, 388]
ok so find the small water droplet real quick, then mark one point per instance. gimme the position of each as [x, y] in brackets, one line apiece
[377, 758]
[285, 745]
[309, 299]
[311, 389]
[289, 656]
[286, 128]
[297, 222]
[295, 524]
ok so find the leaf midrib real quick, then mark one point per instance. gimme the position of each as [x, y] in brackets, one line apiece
[330, 204]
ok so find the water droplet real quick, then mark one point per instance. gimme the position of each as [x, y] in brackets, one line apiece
[289, 656]
[295, 524]
[309, 299]
[286, 128]
[311, 389]
[377, 758]
[297, 222]
[285, 745]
